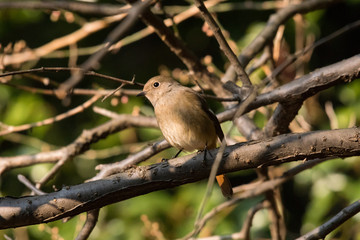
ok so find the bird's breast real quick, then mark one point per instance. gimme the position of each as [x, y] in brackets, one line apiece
[186, 126]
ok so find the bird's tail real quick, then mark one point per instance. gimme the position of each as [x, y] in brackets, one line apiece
[225, 185]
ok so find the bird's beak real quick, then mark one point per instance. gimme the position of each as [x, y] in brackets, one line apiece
[141, 94]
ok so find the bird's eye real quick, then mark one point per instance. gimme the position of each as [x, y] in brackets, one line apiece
[156, 84]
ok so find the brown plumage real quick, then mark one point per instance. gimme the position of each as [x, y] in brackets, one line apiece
[185, 119]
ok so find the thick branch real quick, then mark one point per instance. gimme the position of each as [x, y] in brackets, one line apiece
[307, 85]
[281, 118]
[137, 181]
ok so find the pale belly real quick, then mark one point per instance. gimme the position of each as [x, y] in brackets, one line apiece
[187, 134]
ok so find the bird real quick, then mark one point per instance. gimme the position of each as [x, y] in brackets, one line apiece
[185, 119]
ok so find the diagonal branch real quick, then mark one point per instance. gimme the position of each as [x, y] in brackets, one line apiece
[269, 32]
[95, 58]
[224, 46]
[178, 47]
[86, 30]
[72, 112]
[323, 230]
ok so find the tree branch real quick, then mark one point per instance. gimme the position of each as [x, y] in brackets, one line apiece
[136, 181]
[269, 32]
[81, 144]
[300, 88]
[282, 117]
[224, 46]
[307, 85]
[91, 220]
[79, 7]
[74, 37]
[62, 116]
[70, 69]
[178, 47]
[96, 57]
[323, 230]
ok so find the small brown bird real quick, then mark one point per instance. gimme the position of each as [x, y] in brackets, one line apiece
[185, 119]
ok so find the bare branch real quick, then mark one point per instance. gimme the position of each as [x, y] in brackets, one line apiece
[253, 191]
[224, 46]
[86, 30]
[334, 123]
[113, 168]
[323, 230]
[81, 144]
[292, 58]
[49, 175]
[268, 33]
[111, 38]
[79, 7]
[306, 86]
[282, 117]
[77, 91]
[70, 69]
[303, 87]
[91, 220]
[72, 112]
[29, 185]
[177, 46]
[144, 179]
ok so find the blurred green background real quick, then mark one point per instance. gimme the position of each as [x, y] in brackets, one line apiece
[310, 199]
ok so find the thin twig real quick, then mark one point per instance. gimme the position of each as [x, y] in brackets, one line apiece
[77, 91]
[117, 89]
[113, 168]
[182, 16]
[210, 184]
[292, 58]
[216, 164]
[244, 233]
[80, 144]
[53, 171]
[329, 110]
[86, 30]
[323, 230]
[72, 112]
[105, 112]
[91, 220]
[268, 33]
[70, 69]
[224, 46]
[111, 38]
[29, 185]
[245, 230]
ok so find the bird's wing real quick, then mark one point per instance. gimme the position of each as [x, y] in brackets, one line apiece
[213, 117]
